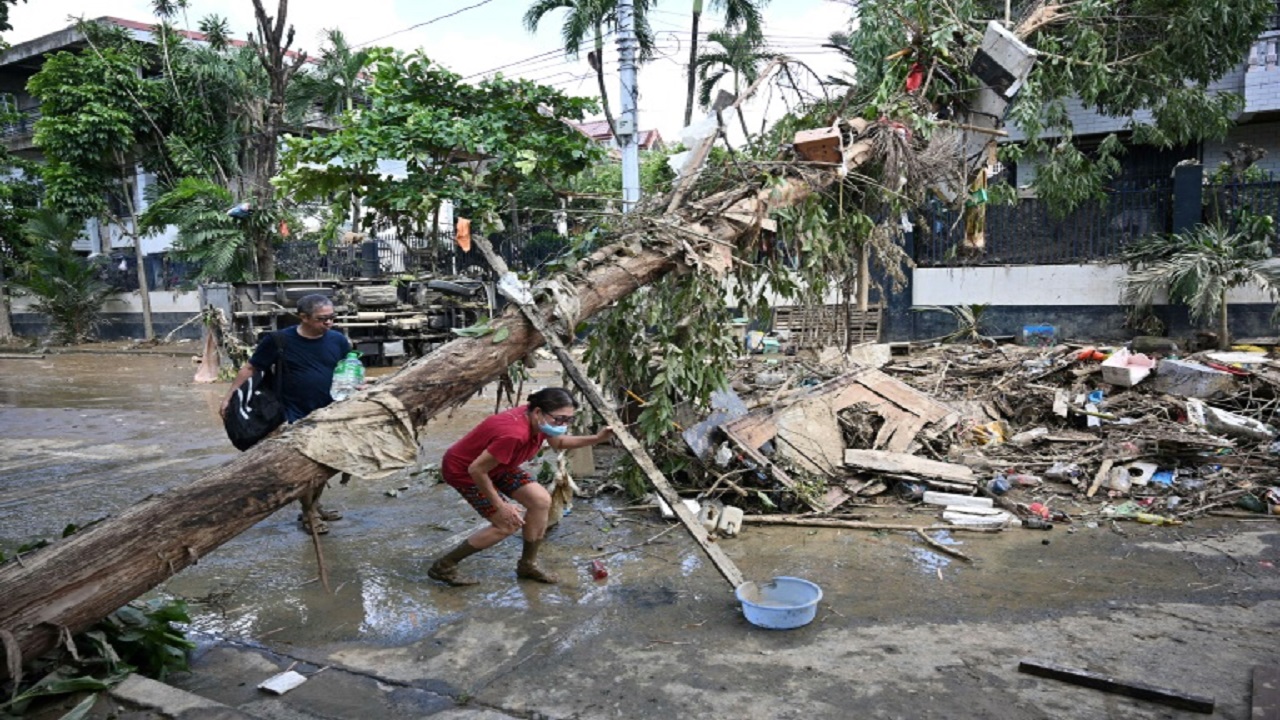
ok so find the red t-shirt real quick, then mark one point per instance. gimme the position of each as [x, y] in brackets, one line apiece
[507, 436]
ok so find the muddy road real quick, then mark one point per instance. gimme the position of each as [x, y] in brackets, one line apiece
[902, 632]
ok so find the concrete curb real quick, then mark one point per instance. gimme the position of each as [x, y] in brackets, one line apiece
[171, 702]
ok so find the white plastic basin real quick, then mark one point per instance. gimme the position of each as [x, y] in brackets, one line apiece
[780, 604]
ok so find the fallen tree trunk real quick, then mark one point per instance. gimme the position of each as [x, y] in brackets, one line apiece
[77, 581]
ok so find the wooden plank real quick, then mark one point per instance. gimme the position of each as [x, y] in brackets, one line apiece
[1105, 683]
[764, 464]
[633, 446]
[1104, 471]
[1266, 693]
[904, 396]
[901, 463]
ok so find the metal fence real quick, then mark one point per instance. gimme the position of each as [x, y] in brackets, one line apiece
[1030, 233]
[437, 254]
[119, 271]
[1223, 203]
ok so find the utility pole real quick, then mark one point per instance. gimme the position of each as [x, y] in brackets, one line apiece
[629, 124]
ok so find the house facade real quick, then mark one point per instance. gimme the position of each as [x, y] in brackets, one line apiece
[1042, 268]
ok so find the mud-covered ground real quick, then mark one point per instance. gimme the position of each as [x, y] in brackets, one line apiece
[902, 632]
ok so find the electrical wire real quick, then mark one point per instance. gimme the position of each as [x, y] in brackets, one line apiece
[425, 23]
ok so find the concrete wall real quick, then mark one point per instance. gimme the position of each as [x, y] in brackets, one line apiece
[1081, 301]
[122, 316]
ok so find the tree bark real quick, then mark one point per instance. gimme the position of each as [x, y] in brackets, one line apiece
[693, 63]
[144, 288]
[1224, 327]
[77, 581]
[6, 322]
[272, 45]
[604, 91]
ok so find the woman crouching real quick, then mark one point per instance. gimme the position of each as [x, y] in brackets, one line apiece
[485, 465]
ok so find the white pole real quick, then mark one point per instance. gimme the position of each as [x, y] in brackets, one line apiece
[628, 124]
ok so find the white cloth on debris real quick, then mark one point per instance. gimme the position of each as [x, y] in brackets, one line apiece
[369, 436]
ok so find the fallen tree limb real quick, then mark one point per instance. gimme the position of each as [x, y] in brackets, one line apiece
[75, 582]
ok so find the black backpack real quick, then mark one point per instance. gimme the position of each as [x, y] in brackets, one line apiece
[256, 408]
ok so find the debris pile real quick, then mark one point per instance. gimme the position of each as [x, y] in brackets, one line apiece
[993, 437]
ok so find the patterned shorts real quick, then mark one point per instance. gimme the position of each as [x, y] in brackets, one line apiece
[506, 483]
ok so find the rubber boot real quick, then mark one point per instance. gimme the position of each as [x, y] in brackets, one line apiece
[527, 568]
[446, 568]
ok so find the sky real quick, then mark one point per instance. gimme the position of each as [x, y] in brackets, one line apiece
[477, 37]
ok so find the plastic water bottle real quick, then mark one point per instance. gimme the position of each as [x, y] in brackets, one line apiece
[347, 376]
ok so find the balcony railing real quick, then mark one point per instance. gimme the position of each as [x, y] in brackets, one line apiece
[23, 124]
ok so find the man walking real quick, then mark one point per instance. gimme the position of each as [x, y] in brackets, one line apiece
[312, 349]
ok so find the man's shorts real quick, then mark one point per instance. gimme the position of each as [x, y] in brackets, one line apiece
[506, 483]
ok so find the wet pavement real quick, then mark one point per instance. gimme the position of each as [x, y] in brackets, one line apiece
[902, 631]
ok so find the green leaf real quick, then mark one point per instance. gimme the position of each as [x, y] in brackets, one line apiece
[81, 711]
[502, 335]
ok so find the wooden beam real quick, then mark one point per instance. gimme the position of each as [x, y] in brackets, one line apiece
[903, 464]
[1105, 683]
[633, 446]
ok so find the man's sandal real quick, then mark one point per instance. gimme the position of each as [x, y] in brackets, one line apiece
[321, 527]
[325, 514]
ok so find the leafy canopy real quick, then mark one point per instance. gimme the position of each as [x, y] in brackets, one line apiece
[472, 144]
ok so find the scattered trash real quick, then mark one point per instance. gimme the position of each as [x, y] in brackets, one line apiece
[1038, 335]
[598, 570]
[1028, 436]
[1185, 378]
[282, 683]
[1227, 423]
[1126, 369]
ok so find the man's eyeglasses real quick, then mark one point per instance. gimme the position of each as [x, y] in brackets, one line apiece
[559, 419]
[323, 318]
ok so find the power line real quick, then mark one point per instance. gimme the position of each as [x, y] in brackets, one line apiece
[459, 11]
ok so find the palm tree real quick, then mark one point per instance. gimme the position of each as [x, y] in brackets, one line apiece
[739, 58]
[737, 13]
[1198, 267]
[67, 287]
[590, 18]
[337, 78]
[333, 86]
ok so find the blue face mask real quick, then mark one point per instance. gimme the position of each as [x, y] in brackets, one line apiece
[553, 430]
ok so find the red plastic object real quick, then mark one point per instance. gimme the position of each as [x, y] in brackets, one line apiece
[1090, 353]
[1227, 369]
[598, 570]
[1040, 510]
[915, 77]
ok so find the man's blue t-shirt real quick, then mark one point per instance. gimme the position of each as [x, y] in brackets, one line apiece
[309, 365]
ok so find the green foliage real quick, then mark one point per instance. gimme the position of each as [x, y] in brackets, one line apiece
[1118, 57]
[440, 125]
[144, 638]
[1197, 268]
[139, 637]
[67, 286]
[207, 236]
[604, 178]
[667, 344]
[738, 58]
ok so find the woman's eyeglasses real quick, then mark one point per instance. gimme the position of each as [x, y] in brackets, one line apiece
[559, 419]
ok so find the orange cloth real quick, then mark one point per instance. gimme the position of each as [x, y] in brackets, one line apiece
[463, 235]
